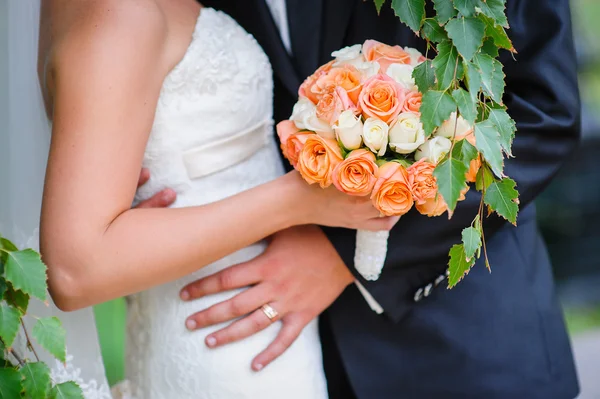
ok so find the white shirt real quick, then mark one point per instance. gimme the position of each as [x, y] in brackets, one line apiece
[279, 12]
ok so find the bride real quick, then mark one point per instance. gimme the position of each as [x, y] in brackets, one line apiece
[185, 92]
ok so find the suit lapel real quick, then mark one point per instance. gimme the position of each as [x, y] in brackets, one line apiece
[305, 21]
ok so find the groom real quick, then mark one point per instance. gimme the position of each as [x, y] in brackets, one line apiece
[498, 335]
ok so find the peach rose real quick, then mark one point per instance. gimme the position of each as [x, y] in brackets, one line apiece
[305, 88]
[330, 106]
[433, 207]
[473, 169]
[346, 77]
[423, 183]
[357, 174]
[292, 140]
[384, 54]
[412, 102]
[391, 194]
[318, 159]
[382, 98]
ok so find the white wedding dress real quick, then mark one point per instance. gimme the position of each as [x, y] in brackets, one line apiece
[213, 138]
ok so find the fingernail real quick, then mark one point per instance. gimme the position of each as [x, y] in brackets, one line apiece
[211, 341]
[185, 295]
[258, 367]
[190, 324]
[169, 195]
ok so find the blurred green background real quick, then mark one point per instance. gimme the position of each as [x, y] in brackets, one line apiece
[569, 231]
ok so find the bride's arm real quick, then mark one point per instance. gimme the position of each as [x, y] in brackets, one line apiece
[107, 76]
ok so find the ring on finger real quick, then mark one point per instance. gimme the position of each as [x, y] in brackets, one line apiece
[269, 311]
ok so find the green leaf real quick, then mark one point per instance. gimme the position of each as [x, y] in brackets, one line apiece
[473, 76]
[471, 238]
[432, 31]
[436, 108]
[487, 139]
[451, 179]
[50, 334]
[7, 245]
[495, 10]
[66, 390]
[506, 127]
[464, 152]
[466, 105]
[36, 380]
[10, 384]
[447, 67]
[467, 35]
[379, 4]
[466, 7]
[485, 177]
[444, 10]
[17, 299]
[490, 48]
[26, 272]
[492, 76]
[424, 76]
[496, 33]
[10, 319]
[459, 266]
[411, 12]
[503, 198]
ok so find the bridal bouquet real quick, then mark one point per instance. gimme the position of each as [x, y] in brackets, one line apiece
[373, 122]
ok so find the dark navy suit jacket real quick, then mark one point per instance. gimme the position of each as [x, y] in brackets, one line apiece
[498, 335]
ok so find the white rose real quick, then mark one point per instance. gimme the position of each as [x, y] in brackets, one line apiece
[349, 130]
[402, 74]
[368, 69]
[348, 55]
[304, 116]
[447, 128]
[415, 55]
[434, 149]
[375, 135]
[406, 134]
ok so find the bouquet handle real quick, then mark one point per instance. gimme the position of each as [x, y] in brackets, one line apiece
[370, 253]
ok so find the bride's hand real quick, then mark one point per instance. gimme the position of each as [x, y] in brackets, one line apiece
[331, 207]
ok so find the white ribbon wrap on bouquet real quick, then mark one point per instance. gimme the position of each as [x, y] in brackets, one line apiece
[370, 253]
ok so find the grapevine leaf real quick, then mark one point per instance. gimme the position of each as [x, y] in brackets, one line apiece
[17, 299]
[506, 127]
[10, 384]
[488, 143]
[411, 12]
[445, 64]
[444, 10]
[466, 105]
[471, 238]
[432, 31]
[379, 4]
[473, 80]
[451, 179]
[466, 7]
[485, 177]
[496, 33]
[50, 334]
[467, 35]
[459, 266]
[26, 272]
[495, 10]
[436, 108]
[502, 198]
[424, 76]
[464, 152]
[36, 380]
[492, 76]
[66, 390]
[10, 319]
[490, 48]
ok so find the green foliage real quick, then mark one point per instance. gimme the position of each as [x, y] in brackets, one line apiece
[379, 4]
[22, 276]
[466, 77]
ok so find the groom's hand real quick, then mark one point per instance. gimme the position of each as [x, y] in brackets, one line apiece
[299, 275]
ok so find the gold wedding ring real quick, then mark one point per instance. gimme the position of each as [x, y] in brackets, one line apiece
[269, 312]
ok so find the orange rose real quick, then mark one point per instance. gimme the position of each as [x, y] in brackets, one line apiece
[412, 102]
[347, 77]
[318, 159]
[357, 174]
[384, 54]
[391, 194]
[435, 206]
[473, 169]
[330, 106]
[423, 183]
[306, 86]
[381, 98]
